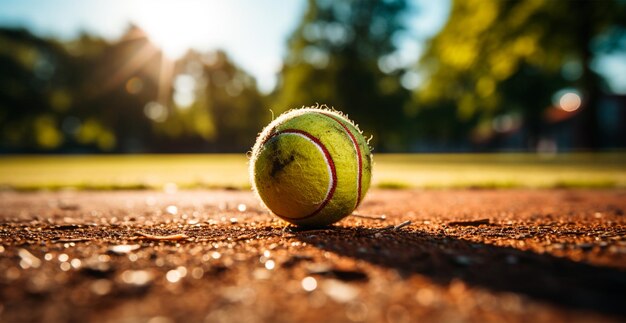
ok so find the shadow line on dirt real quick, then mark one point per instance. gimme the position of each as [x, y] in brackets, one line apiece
[560, 281]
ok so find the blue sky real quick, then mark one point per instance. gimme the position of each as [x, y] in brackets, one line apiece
[254, 33]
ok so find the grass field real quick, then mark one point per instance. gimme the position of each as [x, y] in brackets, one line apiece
[604, 170]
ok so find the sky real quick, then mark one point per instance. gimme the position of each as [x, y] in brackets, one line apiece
[253, 33]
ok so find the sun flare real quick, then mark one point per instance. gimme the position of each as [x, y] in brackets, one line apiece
[177, 26]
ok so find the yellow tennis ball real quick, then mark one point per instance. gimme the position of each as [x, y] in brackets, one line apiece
[311, 166]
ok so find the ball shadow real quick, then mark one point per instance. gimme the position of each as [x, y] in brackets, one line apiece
[544, 277]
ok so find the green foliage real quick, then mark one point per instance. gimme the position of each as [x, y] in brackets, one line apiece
[497, 58]
[91, 95]
[29, 101]
[235, 104]
[495, 67]
[333, 59]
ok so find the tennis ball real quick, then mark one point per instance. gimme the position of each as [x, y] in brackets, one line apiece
[311, 166]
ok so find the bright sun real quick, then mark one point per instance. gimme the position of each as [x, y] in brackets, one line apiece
[177, 26]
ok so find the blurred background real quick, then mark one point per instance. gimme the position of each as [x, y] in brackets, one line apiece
[166, 76]
[206, 76]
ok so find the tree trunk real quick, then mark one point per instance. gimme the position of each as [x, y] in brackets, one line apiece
[588, 136]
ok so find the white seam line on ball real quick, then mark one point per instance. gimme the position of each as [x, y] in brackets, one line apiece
[356, 155]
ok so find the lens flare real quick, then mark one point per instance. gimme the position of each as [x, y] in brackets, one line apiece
[570, 102]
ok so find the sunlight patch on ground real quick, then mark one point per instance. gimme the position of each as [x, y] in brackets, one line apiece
[390, 171]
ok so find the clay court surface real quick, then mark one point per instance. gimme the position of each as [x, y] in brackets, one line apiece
[218, 256]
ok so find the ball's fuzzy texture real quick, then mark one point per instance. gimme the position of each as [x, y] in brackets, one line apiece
[311, 166]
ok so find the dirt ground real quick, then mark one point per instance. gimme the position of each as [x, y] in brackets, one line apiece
[218, 256]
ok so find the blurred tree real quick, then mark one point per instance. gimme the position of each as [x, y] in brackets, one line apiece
[80, 125]
[88, 95]
[33, 95]
[214, 101]
[498, 59]
[113, 84]
[233, 99]
[334, 58]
